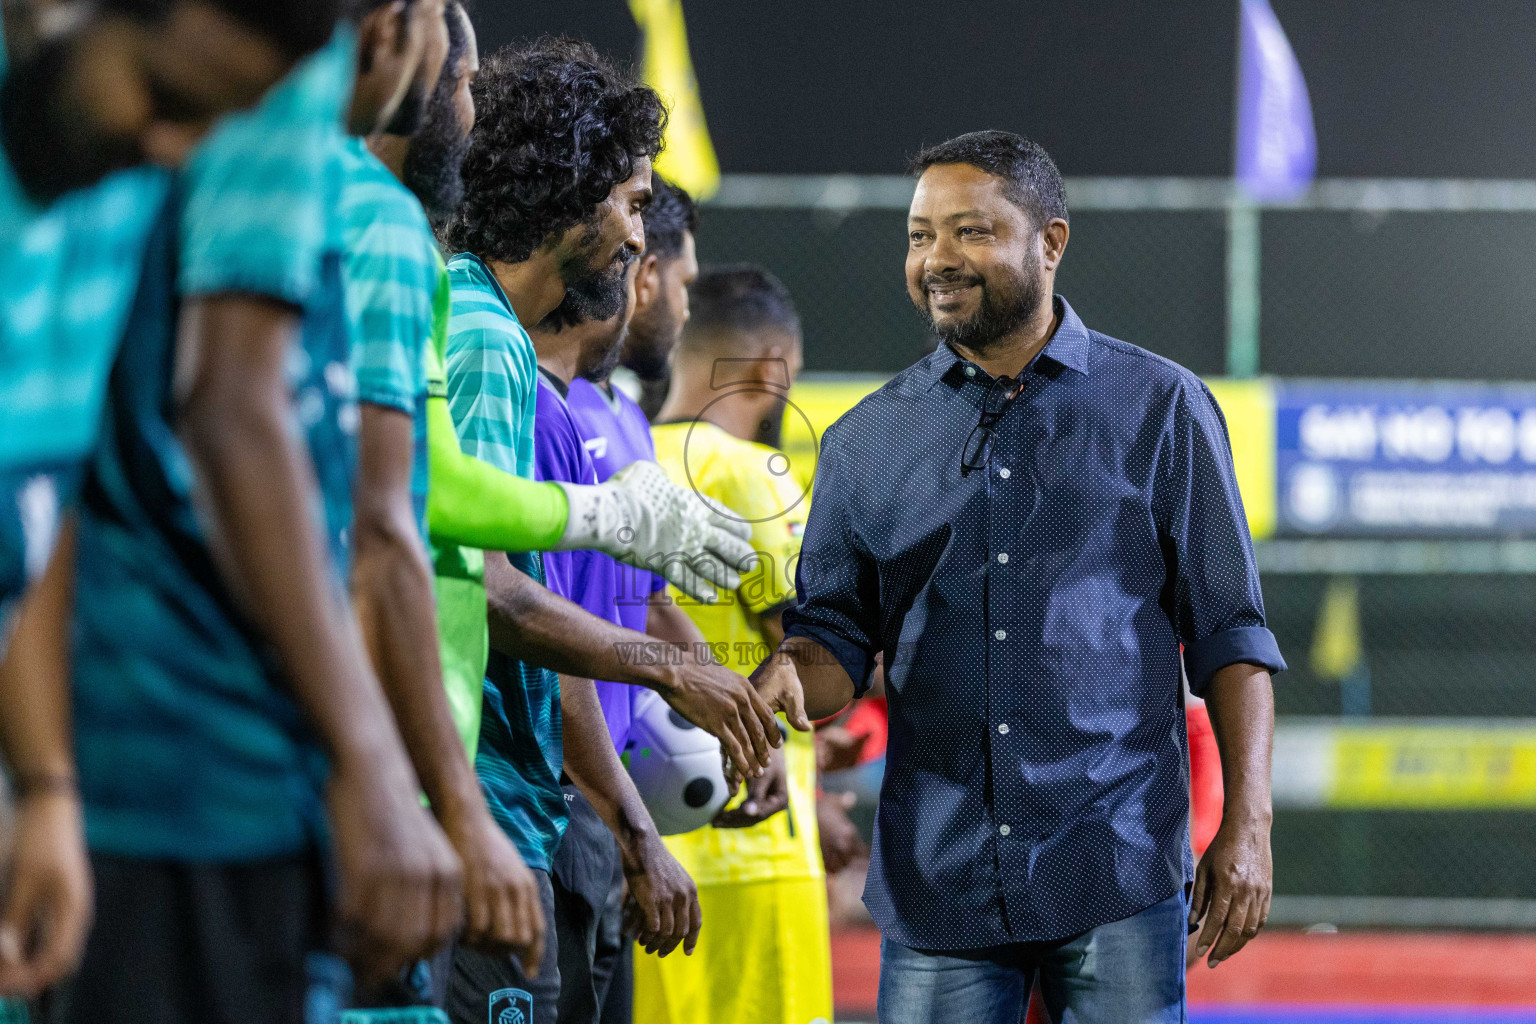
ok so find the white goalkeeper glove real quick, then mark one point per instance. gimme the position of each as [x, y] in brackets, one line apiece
[640, 517]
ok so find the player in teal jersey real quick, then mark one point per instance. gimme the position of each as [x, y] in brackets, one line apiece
[67, 270]
[219, 672]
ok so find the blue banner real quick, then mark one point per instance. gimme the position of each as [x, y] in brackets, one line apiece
[1393, 459]
[1276, 144]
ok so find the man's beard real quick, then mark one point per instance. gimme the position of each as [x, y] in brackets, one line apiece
[652, 339]
[434, 162]
[408, 117]
[1001, 311]
[592, 296]
[600, 372]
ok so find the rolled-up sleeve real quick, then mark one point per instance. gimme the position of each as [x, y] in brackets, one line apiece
[1217, 607]
[836, 579]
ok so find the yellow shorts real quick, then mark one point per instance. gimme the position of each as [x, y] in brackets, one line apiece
[764, 957]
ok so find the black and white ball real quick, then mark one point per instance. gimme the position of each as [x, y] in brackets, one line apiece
[675, 765]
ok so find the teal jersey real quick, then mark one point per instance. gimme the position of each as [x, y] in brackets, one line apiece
[493, 385]
[67, 276]
[189, 744]
[392, 270]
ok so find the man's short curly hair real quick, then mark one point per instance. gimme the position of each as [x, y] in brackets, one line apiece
[558, 126]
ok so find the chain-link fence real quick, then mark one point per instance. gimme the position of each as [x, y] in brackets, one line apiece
[1405, 774]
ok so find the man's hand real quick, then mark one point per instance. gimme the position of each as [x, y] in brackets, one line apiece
[401, 883]
[501, 896]
[639, 516]
[841, 843]
[1233, 885]
[725, 705]
[767, 795]
[663, 905]
[778, 682]
[48, 901]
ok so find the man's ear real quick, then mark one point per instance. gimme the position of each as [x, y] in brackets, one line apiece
[647, 280]
[1055, 237]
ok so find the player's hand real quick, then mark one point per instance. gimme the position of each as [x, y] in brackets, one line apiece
[1233, 885]
[841, 843]
[501, 896]
[767, 795]
[48, 898]
[725, 705]
[401, 883]
[662, 909]
[639, 516]
[778, 684]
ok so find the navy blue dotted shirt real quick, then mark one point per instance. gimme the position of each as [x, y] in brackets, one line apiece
[1030, 614]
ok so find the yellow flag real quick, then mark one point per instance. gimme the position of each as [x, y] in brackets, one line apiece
[689, 157]
[1336, 645]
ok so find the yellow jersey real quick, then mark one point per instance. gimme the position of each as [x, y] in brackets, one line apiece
[754, 481]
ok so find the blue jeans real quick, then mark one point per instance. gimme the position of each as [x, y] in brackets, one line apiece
[1124, 972]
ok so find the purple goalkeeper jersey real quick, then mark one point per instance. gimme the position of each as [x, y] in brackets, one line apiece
[588, 578]
[616, 433]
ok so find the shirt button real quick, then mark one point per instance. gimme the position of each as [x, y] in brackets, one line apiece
[970, 371]
[1004, 829]
[1005, 472]
[1001, 634]
[1002, 556]
[1003, 728]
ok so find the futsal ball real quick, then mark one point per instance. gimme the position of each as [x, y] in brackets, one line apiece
[675, 765]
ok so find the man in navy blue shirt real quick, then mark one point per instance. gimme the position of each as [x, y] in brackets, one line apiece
[1027, 525]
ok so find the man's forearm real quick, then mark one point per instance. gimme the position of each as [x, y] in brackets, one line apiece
[34, 679]
[529, 622]
[392, 591]
[1241, 701]
[593, 765]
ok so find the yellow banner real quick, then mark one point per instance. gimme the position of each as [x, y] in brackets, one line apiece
[1434, 768]
[689, 157]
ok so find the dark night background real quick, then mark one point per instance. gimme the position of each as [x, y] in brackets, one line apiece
[1400, 88]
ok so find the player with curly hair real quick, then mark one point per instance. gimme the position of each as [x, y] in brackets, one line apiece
[557, 177]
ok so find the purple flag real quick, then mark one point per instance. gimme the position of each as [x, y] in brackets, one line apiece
[1276, 146]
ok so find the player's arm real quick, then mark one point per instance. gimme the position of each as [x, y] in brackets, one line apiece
[392, 592]
[637, 517]
[666, 903]
[257, 485]
[475, 504]
[47, 884]
[530, 623]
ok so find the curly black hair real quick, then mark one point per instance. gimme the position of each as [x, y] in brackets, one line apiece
[671, 215]
[1030, 178]
[558, 126]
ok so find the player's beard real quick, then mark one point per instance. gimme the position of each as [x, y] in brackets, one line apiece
[603, 368]
[412, 112]
[592, 296]
[434, 163]
[1003, 308]
[652, 339]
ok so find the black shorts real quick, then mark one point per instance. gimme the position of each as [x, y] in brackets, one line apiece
[589, 892]
[495, 989]
[177, 943]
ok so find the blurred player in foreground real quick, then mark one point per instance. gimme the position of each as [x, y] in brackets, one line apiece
[219, 671]
[110, 86]
[765, 955]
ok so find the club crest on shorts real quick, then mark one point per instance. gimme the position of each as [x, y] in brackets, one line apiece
[511, 1006]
